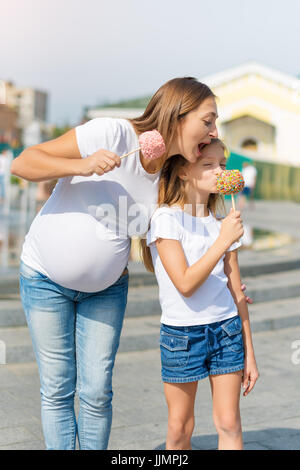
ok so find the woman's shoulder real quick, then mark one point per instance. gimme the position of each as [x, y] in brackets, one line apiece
[102, 132]
[106, 124]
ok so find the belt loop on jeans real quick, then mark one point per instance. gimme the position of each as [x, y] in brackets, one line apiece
[215, 342]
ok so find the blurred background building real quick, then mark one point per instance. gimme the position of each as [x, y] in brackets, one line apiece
[259, 119]
[29, 106]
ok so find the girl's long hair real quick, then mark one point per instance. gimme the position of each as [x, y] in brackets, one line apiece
[171, 192]
[169, 105]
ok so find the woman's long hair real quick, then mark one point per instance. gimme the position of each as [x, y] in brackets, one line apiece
[171, 192]
[168, 106]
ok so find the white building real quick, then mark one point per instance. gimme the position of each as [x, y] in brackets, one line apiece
[30, 105]
[259, 112]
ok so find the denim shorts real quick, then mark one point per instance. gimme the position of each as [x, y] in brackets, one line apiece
[192, 353]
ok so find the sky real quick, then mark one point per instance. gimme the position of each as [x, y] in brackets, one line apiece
[87, 52]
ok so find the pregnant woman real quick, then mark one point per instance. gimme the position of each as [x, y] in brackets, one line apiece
[73, 269]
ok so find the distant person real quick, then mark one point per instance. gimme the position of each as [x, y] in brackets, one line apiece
[3, 169]
[73, 270]
[246, 198]
[205, 327]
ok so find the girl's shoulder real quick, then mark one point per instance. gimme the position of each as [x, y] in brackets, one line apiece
[172, 211]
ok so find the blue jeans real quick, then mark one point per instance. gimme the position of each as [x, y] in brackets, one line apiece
[75, 337]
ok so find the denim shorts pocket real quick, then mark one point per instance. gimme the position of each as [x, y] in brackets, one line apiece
[174, 350]
[232, 334]
[29, 273]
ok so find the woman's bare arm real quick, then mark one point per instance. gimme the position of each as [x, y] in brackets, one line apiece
[37, 163]
[60, 157]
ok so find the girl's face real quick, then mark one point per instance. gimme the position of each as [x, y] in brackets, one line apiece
[195, 130]
[201, 176]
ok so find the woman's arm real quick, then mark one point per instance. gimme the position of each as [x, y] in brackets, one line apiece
[232, 271]
[60, 157]
[37, 163]
[187, 279]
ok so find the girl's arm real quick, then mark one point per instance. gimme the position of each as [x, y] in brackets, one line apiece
[232, 271]
[187, 279]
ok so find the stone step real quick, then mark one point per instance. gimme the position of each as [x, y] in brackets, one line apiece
[143, 300]
[142, 333]
[250, 266]
[264, 288]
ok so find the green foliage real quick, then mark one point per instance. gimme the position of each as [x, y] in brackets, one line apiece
[133, 103]
[58, 131]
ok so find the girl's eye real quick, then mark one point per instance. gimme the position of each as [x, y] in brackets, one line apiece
[208, 123]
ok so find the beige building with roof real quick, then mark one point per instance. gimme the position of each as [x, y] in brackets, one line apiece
[259, 112]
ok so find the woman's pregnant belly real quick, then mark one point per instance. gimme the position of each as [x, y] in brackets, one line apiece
[76, 251]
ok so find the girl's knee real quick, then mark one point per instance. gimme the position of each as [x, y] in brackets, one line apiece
[229, 423]
[179, 430]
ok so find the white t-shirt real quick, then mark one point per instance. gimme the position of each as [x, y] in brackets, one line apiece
[80, 238]
[212, 301]
[249, 174]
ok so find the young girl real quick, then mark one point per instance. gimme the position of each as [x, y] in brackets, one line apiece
[205, 329]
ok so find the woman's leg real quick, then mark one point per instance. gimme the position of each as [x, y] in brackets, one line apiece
[180, 399]
[226, 389]
[50, 316]
[99, 320]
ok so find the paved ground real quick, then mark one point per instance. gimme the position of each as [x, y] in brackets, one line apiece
[270, 414]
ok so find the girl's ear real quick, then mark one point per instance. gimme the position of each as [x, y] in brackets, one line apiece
[183, 173]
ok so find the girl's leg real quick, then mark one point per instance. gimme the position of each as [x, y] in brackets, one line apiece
[180, 399]
[226, 389]
[50, 316]
[99, 319]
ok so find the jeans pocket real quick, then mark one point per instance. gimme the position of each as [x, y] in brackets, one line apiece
[232, 334]
[31, 274]
[174, 350]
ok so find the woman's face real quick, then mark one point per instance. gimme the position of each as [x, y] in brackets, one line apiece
[195, 130]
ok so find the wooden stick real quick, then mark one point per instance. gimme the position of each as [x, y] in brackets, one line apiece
[129, 153]
[233, 203]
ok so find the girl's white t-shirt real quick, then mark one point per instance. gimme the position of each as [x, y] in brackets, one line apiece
[80, 238]
[212, 301]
